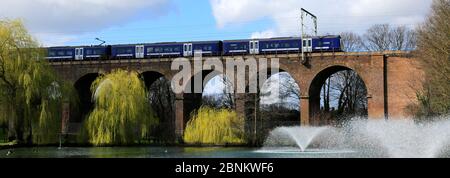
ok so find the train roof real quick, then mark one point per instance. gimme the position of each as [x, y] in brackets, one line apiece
[169, 43]
[281, 38]
[194, 42]
[92, 46]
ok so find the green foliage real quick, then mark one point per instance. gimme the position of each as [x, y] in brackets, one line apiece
[30, 93]
[122, 113]
[215, 126]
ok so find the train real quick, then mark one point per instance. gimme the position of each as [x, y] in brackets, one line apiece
[283, 45]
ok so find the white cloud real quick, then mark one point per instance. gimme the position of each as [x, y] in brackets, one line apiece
[263, 34]
[63, 18]
[334, 15]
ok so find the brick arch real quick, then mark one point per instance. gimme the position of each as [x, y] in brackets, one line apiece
[161, 71]
[163, 104]
[333, 68]
[83, 87]
[76, 76]
[279, 69]
[151, 76]
[316, 85]
[186, 103]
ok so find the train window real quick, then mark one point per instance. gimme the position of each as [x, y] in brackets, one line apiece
[207, 48]
[69, 53]
[88, 52]
[60, 53]
[176, 49]
[287, 45]
[124, 51]
[150, 50]
[52, 53]
[309, 43]
[304, 43]
[158, 49]
[168, 49]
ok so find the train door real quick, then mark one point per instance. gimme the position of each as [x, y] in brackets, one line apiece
[254, 47]
[140, 51]
[79, 53]
[187, 49]
[307, 45]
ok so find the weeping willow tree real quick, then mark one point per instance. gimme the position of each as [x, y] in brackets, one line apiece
[215, 126]
[122, 114]
[30, 93]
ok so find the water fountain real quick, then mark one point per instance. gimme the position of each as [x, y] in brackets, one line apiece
[396, 138]
[299, 137]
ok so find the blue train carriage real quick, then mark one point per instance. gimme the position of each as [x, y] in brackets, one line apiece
[127, 51]
[55, 54]
[331, 43]
[237, 47]
[95, 52]
[206, 48]
[168, 49]
[277, 45]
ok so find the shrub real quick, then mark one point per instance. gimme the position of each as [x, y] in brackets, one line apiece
[215, 127]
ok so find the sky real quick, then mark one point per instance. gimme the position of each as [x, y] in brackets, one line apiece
[79, 22]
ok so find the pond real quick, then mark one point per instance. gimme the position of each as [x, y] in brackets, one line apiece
[168, 152]
[373, 138]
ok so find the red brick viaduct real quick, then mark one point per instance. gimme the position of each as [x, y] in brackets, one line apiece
[391, 79]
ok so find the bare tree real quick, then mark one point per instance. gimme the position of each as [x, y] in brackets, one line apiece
[434, 53]
[352, 42]
[402, 38]
[228, 93]
[289, 92]
[397, 38]
[326, 94]
[162, 100]
[343, 95]
[382, 37]
[225, 99]
[352, 93]
[377, 38]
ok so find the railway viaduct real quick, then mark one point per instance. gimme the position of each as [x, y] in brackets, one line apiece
[391, 79]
